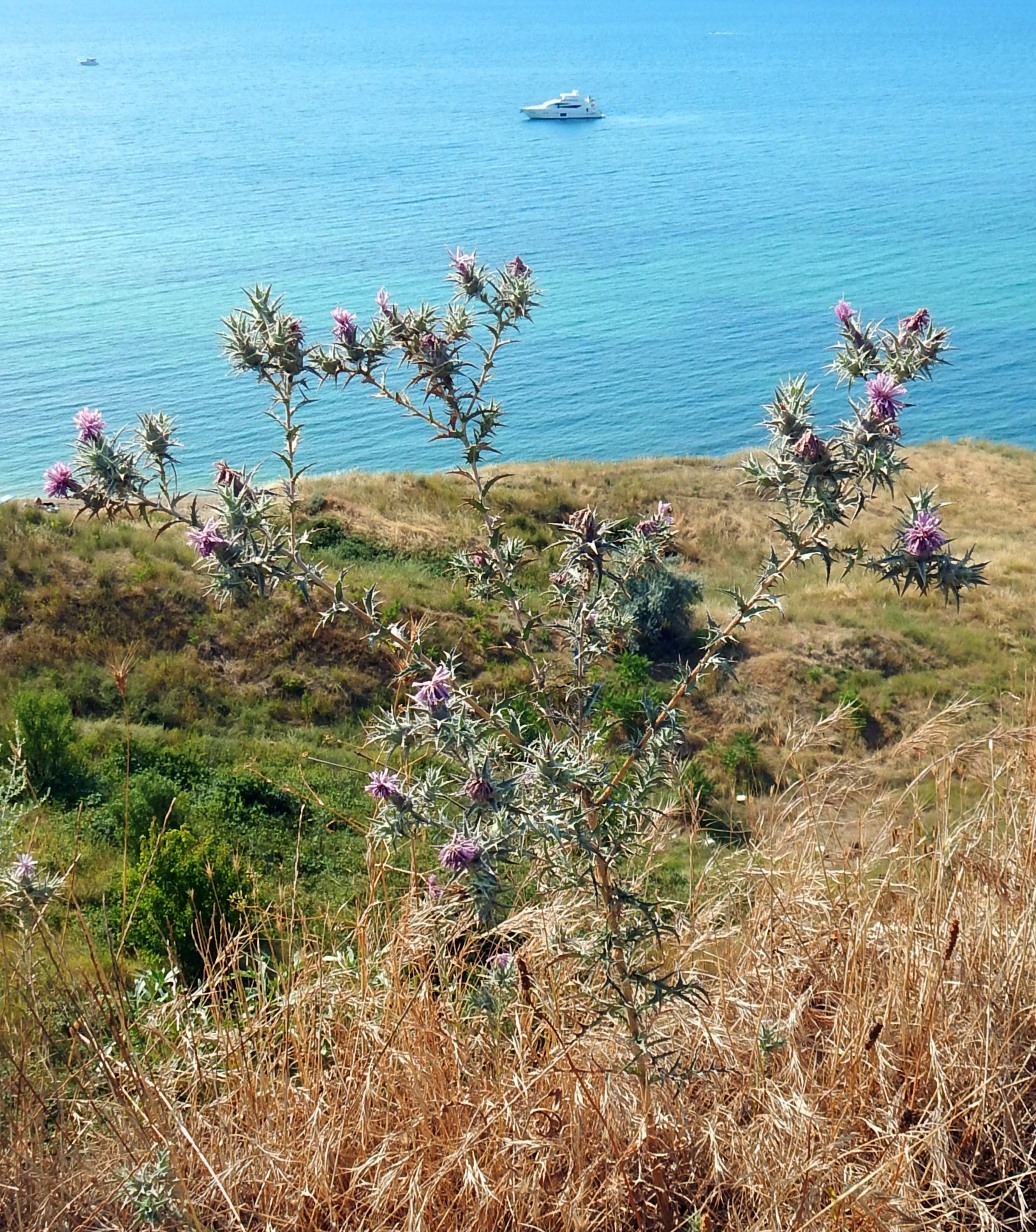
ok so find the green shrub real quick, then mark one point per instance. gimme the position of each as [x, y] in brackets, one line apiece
[183, 898]
[153, 800]
[47, 730]
[700, 783]
[630, 695]
[743, 762]
[660, 602]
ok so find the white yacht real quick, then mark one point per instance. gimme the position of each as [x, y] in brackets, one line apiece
[88, 62]
[567, 106]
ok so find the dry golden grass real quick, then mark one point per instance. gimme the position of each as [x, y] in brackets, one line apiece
[902, 654]
[885, 940]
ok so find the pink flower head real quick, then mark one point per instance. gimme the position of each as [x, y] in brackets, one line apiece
[844, 311]
[479, 788]
[923, 537]
[58, 480]
[916, 323]
[517, 268]
[206, 539]
[808, 447]
[459, 854]
[383, 785]
[344, 328]
[434, 693]
[463, 263]
[502, 962]
[89, 425]
[382, 299]
[24, 868]
[886, 396]
[662, 518]
[295, 329]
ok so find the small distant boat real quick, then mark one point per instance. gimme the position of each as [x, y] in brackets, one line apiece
[567, 106]
[89, 62]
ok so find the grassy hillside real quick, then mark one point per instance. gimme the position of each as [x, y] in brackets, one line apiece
[864, 1059]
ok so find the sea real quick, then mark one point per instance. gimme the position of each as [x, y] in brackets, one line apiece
[759, 160]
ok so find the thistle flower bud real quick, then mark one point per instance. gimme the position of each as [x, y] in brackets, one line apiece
[809, 447]
[917, 323]
[844, 311]
[344, 328]
[584, 523]
[479, 788]
[663, 518]
[227, 477]
[459, 854]
[517, 268]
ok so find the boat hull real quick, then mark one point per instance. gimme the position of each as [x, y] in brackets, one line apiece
[538, 115]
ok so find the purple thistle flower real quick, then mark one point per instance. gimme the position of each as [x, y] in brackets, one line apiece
[479, 788]
[560, 578]
[916, 323]
[382, 299]
[844, 311]
[435, 890]
[886, 396]
[58, 480]
[459, 854]
[429, 344]
[463, 262]
[384, 785]
[24, 869]
[922, 538]
[344, 328]
[89, 424]
[206, 539]
[502, 962]
[294, 328]
[517, 268]
[808, 447]
[479, 560]
[435, 692]
[663, 517]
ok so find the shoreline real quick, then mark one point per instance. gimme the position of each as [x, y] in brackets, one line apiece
[312, 477]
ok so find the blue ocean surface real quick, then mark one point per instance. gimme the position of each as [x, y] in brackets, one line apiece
[759, 160]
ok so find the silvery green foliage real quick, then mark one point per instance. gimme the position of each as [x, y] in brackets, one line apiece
[149, 1193]
[536, 786]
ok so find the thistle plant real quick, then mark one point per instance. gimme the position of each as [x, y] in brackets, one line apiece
[537, 787]
[25, 889]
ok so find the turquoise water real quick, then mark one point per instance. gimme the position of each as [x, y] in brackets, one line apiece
[758, 161]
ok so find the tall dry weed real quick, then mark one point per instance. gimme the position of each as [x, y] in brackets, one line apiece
[866, 1060]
